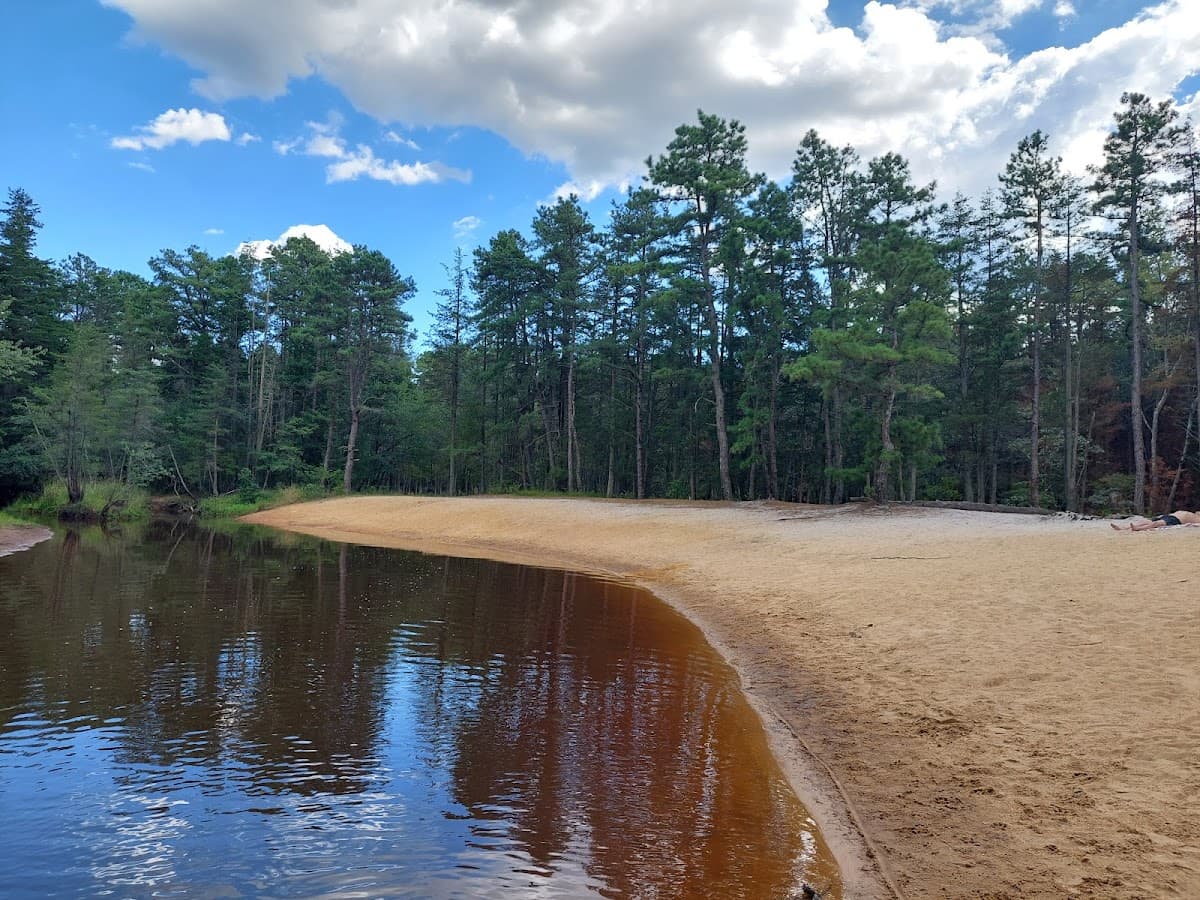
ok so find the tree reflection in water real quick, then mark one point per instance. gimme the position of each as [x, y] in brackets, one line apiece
[364, 716]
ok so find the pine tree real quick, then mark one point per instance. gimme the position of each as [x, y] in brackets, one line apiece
[1032, 183]
[704, 169]
[451, 337]
[1135, 152]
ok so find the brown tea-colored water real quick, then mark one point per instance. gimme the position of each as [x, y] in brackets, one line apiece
[184, 712]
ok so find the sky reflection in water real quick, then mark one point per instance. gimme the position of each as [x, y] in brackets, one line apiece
[223, 715]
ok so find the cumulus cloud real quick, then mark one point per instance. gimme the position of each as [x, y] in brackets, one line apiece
[363, 163]
[142, 167]
[247, 138]
[598, 84]
[587, 191]
[979, 17]
[324, 141]
[176, 125]
[321, 235]
[465, 227]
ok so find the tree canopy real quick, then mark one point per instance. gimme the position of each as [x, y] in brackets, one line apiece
[720, 335]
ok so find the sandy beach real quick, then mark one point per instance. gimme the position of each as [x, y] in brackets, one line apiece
[14, 538]
[971, 704]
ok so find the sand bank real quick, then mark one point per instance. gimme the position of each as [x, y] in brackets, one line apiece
[995, 705]
[14, 538]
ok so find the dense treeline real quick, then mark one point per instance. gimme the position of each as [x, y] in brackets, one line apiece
[722, 335]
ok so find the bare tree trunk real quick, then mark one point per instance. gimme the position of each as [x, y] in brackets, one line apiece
[1187, 436]
[213, 465]
[639, 424]
[484, 459]
[1155, 468]
[719, 403]
[572, 438]
[839, 447]
[885, 456]
[328, 458]
[351, 441]
[1137, 418]
[1070, 436]
[1035, 424]
[1083, 468]
[963, 375]
[772, 448]
[551, 450]
[610, 481]
[827, 482]
[714, 359]
[995, 491]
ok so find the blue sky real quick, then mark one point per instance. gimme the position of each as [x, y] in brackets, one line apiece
[139, 125]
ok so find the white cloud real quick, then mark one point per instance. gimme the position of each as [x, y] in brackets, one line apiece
[586, 192]
[392, 138]
[978, 17]
[599, 84]
[214, 230]
[176, 125]
[247, 138]
[465, 227]
[321, 235]
[144, 167]
[325, 142]
[363, 163]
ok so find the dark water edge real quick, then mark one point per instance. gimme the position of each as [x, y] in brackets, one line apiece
[243, 713]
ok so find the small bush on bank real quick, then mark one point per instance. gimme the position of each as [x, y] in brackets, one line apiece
[103, 501]
[1112, 495]
[232, 506]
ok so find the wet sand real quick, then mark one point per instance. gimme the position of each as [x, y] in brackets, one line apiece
[14, 538]
[971, 704]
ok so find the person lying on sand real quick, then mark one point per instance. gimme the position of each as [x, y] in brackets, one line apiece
[1179, 517]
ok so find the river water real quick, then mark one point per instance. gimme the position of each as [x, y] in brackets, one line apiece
[197, 713]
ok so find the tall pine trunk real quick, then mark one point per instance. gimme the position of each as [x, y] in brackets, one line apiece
[573, 479]
[639, 420]
[1035, 424]
[351, 442]
[772, 448]
[714, 359]
[882, 485]
[1137, 418]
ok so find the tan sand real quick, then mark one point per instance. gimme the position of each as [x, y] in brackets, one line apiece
[14, 538]
[1000, 705]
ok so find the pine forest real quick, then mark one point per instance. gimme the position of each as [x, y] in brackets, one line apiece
[850, 333]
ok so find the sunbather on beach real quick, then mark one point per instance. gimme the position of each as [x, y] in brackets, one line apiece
[1179, 517]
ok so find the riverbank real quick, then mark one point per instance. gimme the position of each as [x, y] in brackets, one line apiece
[1002, 705]
[14, 538]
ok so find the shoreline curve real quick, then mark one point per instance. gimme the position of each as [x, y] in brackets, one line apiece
[970, 704]
[15, 538]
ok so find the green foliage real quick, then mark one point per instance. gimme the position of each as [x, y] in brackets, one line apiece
[247, 490]
[720, 336]
[946, 489]
[103, 501]
[231, 506]
[1112, 494]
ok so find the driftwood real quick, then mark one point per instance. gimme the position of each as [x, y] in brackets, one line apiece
[979, 507]
[172, 506]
